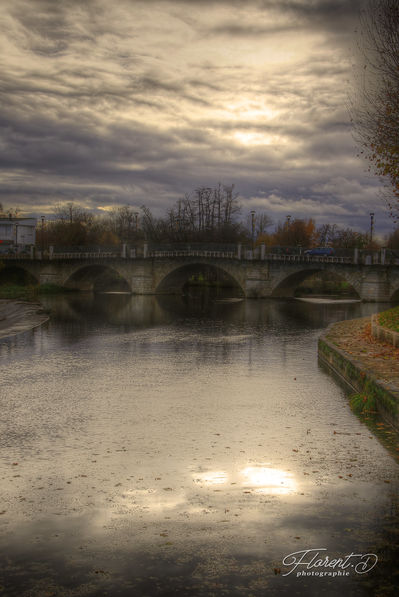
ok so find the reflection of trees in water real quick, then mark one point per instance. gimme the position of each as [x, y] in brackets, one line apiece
[319, 315]
[78, 312]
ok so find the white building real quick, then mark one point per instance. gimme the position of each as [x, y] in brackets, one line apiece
[17, 233]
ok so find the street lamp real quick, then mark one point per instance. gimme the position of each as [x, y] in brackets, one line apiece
[371, 226]
[42, 239]
[253, 228]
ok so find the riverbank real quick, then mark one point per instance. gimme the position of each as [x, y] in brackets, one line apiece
[17, 316]
[369, 366]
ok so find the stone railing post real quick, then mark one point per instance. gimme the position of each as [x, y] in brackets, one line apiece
[32, 252]
[50, 252]
[356, 255]
[262, 251]
[145, 255]
[383, 256]
[123, 251]
[239, 251]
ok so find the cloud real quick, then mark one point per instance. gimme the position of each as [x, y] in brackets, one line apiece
[140, 102]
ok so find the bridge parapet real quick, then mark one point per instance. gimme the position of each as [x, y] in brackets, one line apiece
[207, 250]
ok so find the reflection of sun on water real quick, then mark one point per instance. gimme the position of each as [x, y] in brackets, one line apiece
[261, 478]
[268, 480]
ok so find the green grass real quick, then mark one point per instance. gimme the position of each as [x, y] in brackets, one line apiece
[362, 403]
[15, 291]
[52, 289]
[390, 319]
[28, 291]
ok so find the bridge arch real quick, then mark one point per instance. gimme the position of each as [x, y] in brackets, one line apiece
[97, 278]
[395, 295]
[17, 274]
[287, 285]
[174, 281]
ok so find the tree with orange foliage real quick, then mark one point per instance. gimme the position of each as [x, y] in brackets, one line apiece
[297, 233]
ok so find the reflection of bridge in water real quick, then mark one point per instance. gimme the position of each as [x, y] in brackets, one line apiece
[165, 270]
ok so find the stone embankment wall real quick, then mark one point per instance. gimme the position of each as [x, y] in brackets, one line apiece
[361, 378]
[383, 334]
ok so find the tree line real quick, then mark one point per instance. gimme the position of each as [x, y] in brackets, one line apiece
[207, 215]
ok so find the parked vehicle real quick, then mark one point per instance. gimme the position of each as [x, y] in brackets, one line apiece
[320, 251]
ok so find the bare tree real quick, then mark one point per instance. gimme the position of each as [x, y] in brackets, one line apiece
[375, 106]
[207, 214]
[123, 222]
[327, 234]
[261, 223]
[72, 213]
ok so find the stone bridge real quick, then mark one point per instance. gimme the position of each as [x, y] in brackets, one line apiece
[269, 276]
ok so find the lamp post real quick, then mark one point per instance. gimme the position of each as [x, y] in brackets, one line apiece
[42, 239]
[253, 228]
[287, 227]
[371, 226]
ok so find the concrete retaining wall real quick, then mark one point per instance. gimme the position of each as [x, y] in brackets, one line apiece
[361, 380]
[383, 334]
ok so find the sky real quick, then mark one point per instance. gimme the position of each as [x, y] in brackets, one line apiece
[140, 102]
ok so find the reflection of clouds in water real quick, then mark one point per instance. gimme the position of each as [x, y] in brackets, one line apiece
[211, 477]
[154, 500]
[260, 478]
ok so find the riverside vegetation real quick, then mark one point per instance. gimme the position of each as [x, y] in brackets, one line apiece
[390, 319]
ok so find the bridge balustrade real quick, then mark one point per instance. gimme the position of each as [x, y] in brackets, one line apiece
[88, 255]
[214, 254]
[212, 250]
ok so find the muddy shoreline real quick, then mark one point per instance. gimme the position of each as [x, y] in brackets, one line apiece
[18, 316]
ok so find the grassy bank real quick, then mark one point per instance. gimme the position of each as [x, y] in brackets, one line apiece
[29, 292]
[390, 319]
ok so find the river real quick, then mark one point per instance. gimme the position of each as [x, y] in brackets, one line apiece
[165, 446]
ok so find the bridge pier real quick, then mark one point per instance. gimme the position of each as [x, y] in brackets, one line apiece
[375, 286]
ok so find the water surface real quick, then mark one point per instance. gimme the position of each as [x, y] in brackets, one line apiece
[175, 446]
